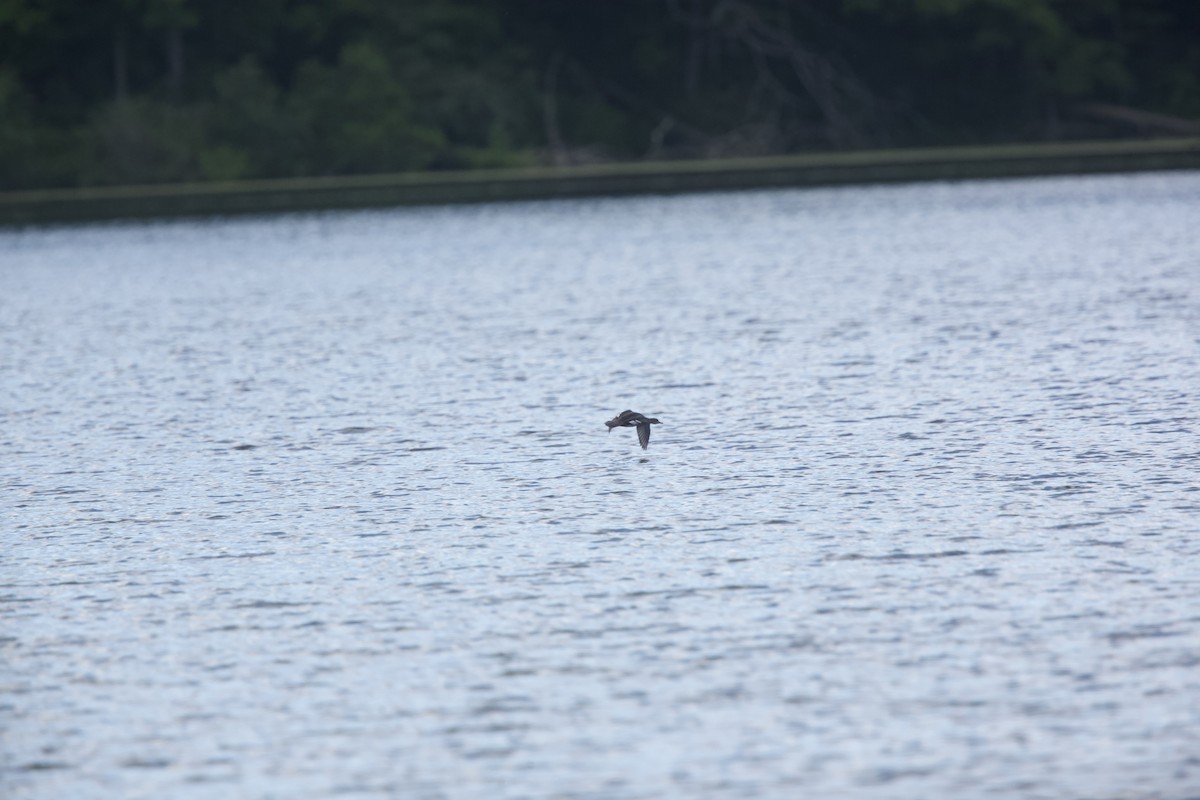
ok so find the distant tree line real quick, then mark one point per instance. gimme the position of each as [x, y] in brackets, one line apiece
[133, 91]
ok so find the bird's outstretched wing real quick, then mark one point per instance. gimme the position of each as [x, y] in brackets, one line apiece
[644, 434]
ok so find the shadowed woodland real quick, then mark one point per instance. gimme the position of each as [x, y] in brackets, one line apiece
[146, 91]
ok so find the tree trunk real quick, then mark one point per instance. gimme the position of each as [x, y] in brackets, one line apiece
[120, 67]
[695, 51]
[175, 62]
[550, 110]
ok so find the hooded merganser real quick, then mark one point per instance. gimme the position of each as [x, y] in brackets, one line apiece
[628, 419]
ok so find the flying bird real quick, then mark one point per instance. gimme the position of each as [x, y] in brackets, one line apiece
[628, 419]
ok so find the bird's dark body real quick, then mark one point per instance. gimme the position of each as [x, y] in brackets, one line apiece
[629, 419]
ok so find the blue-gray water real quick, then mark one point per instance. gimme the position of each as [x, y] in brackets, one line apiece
[324, 505]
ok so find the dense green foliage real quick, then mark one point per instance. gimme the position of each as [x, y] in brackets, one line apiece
[129, 91]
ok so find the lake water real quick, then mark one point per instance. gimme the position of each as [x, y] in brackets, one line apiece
[324, 506]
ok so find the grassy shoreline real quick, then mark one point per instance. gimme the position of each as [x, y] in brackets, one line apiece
[435, 188]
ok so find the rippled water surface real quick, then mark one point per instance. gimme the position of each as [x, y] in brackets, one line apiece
[324, 505]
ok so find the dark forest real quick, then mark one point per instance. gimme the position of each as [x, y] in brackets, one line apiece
[148, 91]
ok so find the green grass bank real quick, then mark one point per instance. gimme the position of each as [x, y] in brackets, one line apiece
[432, 188]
